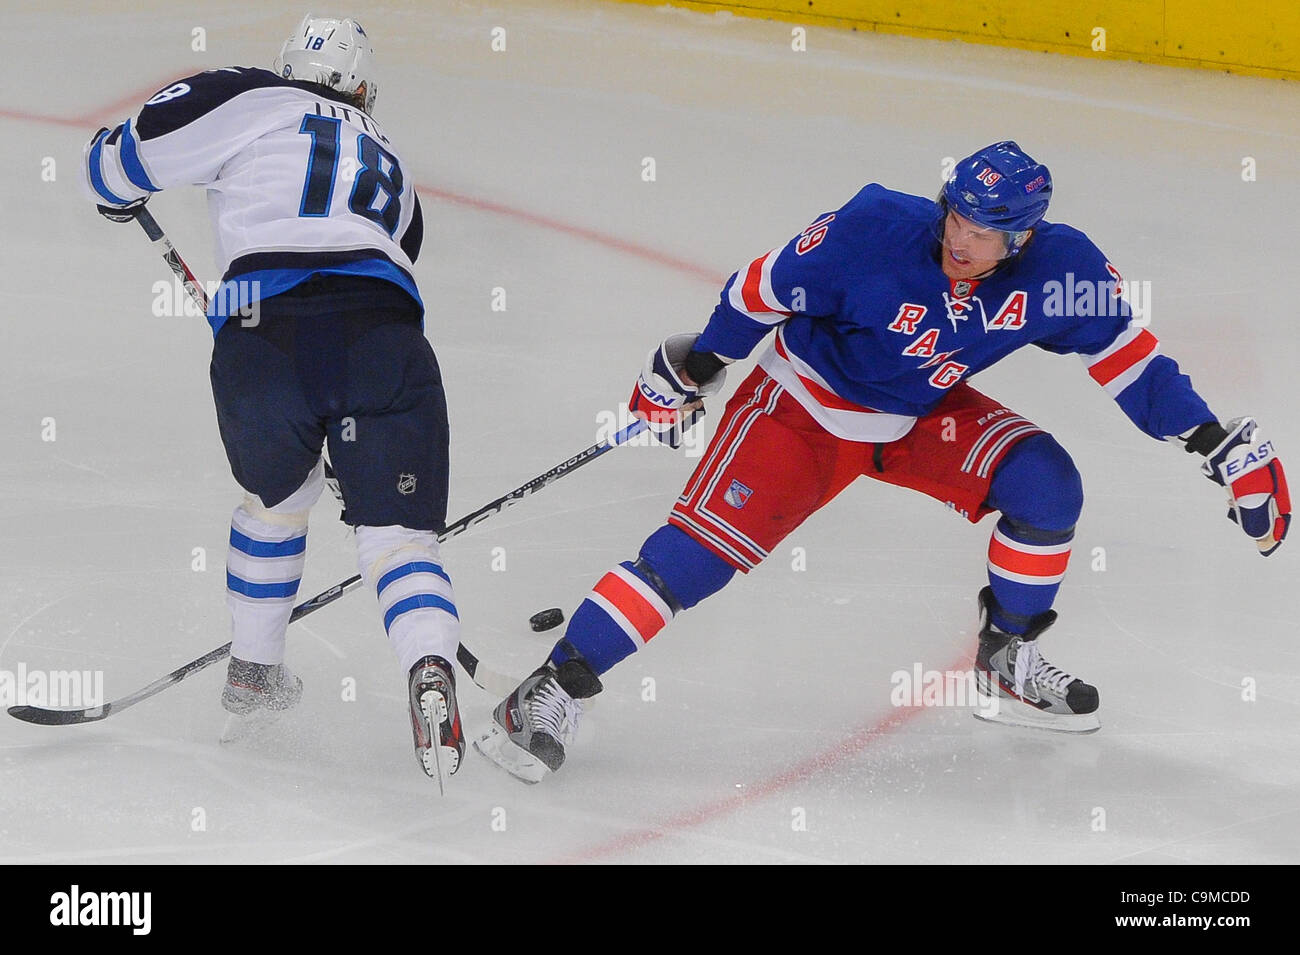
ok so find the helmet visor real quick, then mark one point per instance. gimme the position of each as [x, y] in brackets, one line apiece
[966, 240]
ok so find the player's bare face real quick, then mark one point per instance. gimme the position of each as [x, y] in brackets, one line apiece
[969, 249]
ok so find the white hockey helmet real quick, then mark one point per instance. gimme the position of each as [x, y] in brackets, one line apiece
[335, 53]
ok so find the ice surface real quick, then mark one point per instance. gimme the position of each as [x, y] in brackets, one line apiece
[771, 701]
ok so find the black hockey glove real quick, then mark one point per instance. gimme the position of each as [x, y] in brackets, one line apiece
[124, 213]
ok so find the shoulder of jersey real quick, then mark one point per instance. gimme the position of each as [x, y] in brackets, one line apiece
[873, 217]
[1060, 245]
[876, 212]
[187, 99]
[875, 200]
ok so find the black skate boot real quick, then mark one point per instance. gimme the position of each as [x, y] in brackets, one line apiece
[532, 725]
[434, 714]
[1017, 686]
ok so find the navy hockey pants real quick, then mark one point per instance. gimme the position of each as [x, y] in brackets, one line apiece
[342, 359]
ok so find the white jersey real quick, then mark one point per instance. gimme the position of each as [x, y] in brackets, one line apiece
[299, 180]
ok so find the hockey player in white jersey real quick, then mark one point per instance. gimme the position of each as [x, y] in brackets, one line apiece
[318, 328]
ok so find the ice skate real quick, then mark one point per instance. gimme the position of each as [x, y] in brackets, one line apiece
[434, 714]
[259, 686]
[253, 694]
[531, 726]
[1017, 686]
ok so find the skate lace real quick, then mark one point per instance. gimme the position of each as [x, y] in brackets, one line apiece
[554, 711]
[1033, 670]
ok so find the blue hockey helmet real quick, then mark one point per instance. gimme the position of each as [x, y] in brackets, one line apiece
[1000, 187]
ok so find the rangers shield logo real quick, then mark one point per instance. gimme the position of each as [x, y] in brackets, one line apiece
[406, 484]
[737, 495]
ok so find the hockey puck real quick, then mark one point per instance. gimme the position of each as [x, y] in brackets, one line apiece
[546, 619]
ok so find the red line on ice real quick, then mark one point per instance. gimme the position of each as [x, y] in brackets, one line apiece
[105, 113]
[856, 742]
[580, 232]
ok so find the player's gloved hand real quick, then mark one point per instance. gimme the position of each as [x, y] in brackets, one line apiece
[1246, 464]
[124, 213]
[665, 387]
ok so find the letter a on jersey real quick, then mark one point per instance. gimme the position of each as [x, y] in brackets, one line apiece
[1011, 316]
[923, 347]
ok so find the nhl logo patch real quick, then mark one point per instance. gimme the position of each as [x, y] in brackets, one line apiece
[406, 484]
[737, 495]
[961, 289]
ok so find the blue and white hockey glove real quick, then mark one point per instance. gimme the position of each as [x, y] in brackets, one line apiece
[1246, 464]
[664, 388]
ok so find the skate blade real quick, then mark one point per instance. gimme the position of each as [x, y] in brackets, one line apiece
[496, 745]
[439, 762]
[241, 726]
[1009, 711]
[999, 706]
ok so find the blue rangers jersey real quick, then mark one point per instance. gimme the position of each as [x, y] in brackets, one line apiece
[299, 181]
[870, 333]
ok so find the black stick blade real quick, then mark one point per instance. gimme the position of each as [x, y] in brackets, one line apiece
[467, 660]
[43, 717]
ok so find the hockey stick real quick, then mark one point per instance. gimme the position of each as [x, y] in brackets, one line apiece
[487, 679]
[173, 259]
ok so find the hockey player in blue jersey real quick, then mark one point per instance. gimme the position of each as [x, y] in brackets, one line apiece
[318, 329]
[880, 312]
